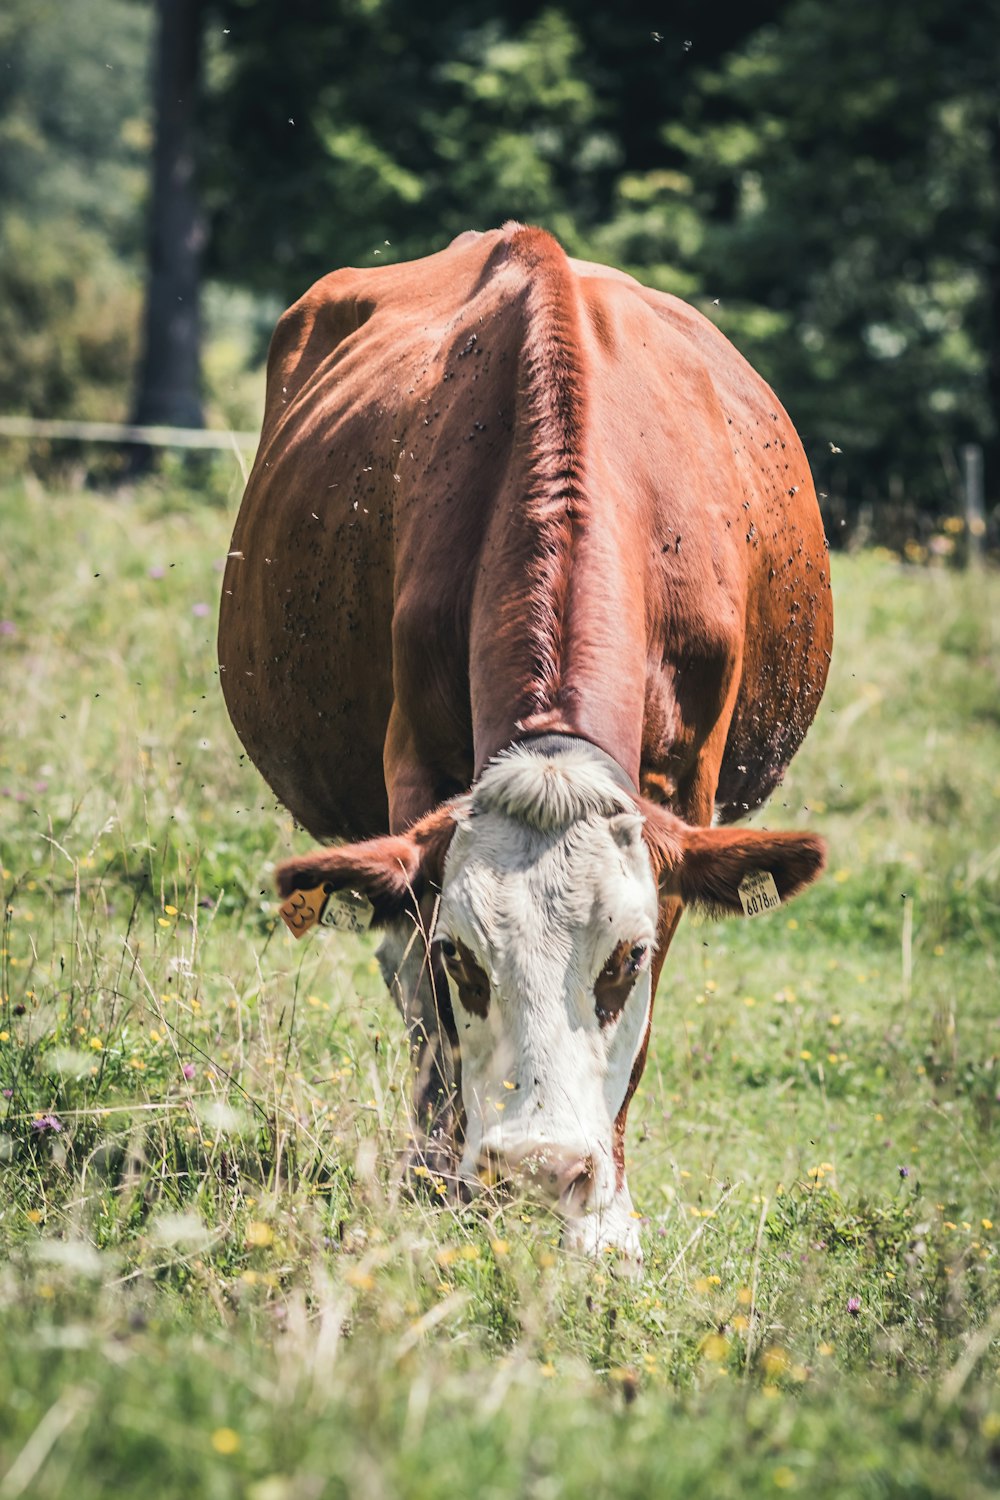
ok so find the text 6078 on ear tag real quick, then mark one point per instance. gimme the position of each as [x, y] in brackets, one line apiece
[758, 893]
[347, 910]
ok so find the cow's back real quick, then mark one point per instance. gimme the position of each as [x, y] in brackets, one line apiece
[388, 418]
[738, 583]
[375, 533]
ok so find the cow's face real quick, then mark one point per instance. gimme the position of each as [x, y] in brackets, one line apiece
[547, 928]
[554, 885]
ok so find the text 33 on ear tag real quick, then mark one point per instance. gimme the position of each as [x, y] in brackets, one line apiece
[758, 893]
[303, 909]
[349, 911]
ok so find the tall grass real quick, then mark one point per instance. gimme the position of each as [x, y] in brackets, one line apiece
[212, 1280]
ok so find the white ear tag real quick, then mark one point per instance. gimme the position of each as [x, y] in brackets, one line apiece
[758, 893]
[349, 911]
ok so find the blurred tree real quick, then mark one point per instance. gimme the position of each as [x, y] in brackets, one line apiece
[73, 145]
[840, 194]
[372, 121]
[375, 120]
[830, 174]
[169, 385]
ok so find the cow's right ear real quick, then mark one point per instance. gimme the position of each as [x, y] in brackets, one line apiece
[394, 872]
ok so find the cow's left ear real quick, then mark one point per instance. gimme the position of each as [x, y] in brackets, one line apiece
[706, 866]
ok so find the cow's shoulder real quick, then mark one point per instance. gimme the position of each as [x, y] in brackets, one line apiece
[313, 327]
[683, 326]
[392, 304]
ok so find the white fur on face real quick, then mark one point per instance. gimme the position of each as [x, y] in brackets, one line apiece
[545, 877]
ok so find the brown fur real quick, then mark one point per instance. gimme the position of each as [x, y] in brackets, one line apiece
[552, 416]
[613, 984]
[471, 981]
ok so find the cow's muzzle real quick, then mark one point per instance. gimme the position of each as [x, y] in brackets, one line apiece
[562, 1177]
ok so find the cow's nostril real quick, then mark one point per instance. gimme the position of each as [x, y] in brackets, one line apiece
[576, 1182]
[561, 1176]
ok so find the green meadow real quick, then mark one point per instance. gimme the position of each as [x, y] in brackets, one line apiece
[211, 1280]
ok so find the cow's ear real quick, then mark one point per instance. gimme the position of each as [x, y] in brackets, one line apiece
[717, 861]
[706, 866]
[393, 872]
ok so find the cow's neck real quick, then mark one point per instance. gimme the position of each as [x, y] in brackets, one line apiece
[558, 641]
[558, 635]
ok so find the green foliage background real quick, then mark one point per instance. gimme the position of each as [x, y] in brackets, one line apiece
[823, 180]
[74, 146]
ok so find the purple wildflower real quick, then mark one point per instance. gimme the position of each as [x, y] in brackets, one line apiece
[46, 1122]
[7, 627]
[854, 1306]
[904, 1171]
[201, 610]
[157, 573]
[188, 1070]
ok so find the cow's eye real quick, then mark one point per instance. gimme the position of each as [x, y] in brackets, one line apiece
[638, 954]
[615, 982]
[467, 975]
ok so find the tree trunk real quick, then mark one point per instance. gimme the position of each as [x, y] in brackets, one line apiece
[169, 382]
[993, 326]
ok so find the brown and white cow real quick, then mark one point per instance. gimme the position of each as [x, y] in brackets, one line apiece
[528, 583]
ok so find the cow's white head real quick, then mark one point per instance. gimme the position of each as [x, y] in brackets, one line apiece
[556, 887]
[548, 926]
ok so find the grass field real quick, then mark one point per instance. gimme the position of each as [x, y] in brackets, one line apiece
[210, 1281]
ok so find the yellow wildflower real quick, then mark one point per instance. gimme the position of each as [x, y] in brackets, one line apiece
[775, 1362]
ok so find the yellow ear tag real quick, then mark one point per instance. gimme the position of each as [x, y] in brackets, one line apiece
[349, 911]
[758, 893]
[303, 909]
